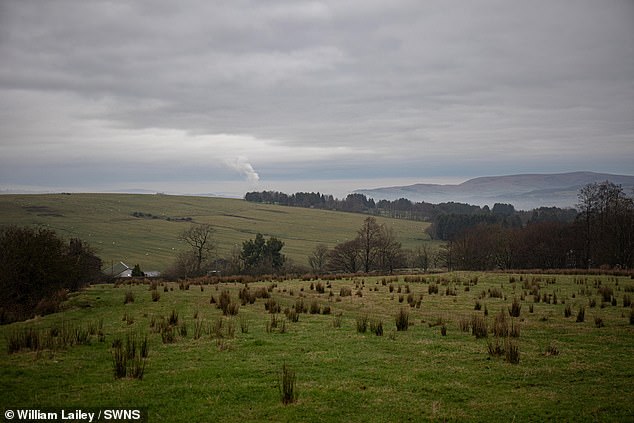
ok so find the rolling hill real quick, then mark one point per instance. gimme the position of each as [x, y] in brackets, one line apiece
[525, 192]
[144, 229]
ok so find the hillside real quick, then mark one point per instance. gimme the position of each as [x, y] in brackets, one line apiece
[525, 192]
[108, 223]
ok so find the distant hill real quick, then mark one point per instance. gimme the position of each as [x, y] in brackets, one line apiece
[525, 192]
[144, 229]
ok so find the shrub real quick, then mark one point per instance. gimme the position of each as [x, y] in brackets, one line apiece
[402, 320]
[287, 385]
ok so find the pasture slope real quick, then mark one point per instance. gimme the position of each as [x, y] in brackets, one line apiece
[208, 367]
[106, 221]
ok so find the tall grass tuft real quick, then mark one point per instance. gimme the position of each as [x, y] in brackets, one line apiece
[479, 326]
[515, 309]
[128, 297]
[512, 352]
[362, 323]
[402, 320]
[287, 385]
[581, 314]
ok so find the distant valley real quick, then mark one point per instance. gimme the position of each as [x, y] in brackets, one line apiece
[525, 191]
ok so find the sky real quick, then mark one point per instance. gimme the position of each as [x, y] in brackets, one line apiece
[223, 97]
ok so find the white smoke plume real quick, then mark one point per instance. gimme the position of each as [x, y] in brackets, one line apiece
[242, 165]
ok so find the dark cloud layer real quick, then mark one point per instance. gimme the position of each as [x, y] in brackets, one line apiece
[144, 91]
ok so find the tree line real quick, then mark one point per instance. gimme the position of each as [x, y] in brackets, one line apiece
[600, 235]
[447, 219]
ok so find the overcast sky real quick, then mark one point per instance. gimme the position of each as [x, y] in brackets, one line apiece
[224, 96]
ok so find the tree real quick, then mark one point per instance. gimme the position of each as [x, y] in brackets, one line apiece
[370, 238]
[318, 259]
[35, 266]
[261, 256]
[345, 257]
[137, 272]
[200, 239]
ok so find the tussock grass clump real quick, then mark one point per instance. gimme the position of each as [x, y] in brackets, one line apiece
[336, 320]
[362, 323]
[567, 311]
[168, 334]
[581, 315]
[495, 349]
[464, 324]
[606, 293]
[272, 306]
[632, 316]
[287, 385]
[402, 320]
[226, 304]
[128, 360]
[515, 308]
[292, 315]
[512, 352]
[432, 289]
[496, 293]
[500, 325]
[244, 325]
[128, 297]
[25, 338]
[479, 326]
[551, 350]
[173, 318]
[598, 322]
[315, 308]
[627, 301]
[345, 292]
[198, 329]
[155, 295]
[376, 327]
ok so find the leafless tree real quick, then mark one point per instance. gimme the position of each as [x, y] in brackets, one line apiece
[200, 239]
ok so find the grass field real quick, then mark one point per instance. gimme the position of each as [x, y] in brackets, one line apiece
[106, 221]
[567, 370]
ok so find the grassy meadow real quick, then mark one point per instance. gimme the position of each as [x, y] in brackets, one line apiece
[204, 366]
[107, 223]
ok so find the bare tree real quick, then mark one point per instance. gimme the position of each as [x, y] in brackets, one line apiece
[200, 239]
[317, 260]
[370, 237]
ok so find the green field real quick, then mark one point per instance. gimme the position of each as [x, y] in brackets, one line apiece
[344, 375]
[106, 222]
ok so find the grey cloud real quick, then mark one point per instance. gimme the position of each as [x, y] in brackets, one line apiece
[414, 85]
